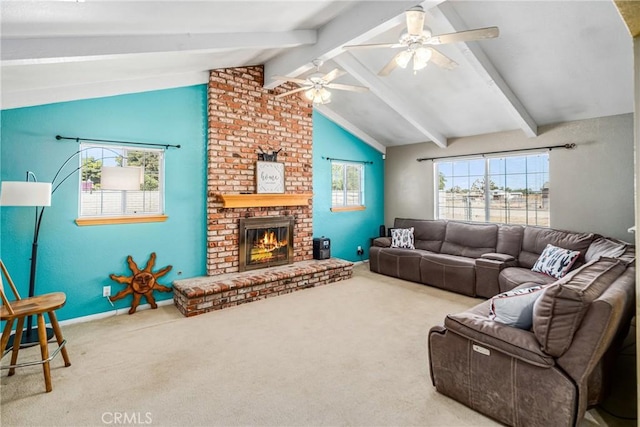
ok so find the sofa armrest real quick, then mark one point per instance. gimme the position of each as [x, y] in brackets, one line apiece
[498, 257]
[488, 269]
[515, 342]
[383, 242]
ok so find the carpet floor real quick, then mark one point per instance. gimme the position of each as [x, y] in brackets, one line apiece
[349, 353]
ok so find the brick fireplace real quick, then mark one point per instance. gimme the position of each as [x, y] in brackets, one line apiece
[245, 119]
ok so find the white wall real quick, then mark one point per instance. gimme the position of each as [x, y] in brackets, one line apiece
[592, 186]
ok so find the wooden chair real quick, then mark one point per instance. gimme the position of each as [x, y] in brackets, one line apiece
[34, 306]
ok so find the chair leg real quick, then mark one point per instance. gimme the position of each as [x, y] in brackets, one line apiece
[58, 332]
[17, 339]
[44, 351]
[5, 335]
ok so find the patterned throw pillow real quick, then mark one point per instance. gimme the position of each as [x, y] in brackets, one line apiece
[515, 308]
[402, 238]
[555, 261]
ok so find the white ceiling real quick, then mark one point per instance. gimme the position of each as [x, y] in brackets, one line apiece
[554, 61]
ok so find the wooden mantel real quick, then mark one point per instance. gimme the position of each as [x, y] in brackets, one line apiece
[264, 200]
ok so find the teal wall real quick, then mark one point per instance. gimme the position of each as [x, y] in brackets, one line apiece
[348, 229]
[78, 260]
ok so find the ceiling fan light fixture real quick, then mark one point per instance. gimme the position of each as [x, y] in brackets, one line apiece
[403, 58]
[421, 58]
[318, 95]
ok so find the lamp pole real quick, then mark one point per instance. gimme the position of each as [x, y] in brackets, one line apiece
[30, 336]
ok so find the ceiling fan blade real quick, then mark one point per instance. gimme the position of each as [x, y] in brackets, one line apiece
[333, 74]
[300, 89]
[291, 79]
[390, 66]
[373, 46]
[442, 60]
[347, 87]
[465, 36]
[415, 20]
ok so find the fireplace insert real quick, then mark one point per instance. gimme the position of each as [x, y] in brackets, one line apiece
[265, 242]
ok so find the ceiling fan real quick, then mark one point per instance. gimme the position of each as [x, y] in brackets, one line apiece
[417, 42]
[316, 85]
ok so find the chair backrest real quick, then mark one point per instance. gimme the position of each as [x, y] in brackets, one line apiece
[5, 301]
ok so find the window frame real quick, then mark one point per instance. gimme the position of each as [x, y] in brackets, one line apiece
[121, 217]
[488, 194]
[345, 206]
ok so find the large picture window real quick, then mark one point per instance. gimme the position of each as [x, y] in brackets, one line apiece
[145, 170]
[347, 184]
[507, 189]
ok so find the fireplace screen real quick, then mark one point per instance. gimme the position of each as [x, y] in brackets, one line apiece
[265, 242]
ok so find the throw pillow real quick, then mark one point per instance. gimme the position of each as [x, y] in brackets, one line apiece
[402, 238]
[515, 308]
[555, 261]
[603, 247]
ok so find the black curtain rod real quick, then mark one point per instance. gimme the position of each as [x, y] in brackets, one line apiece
[366, 162]
[58, 137]
[567, 146]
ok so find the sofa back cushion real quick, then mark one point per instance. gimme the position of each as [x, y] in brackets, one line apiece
[510, 239]
[428, 234]
[469, 240]
[535, 239]
[558, 312]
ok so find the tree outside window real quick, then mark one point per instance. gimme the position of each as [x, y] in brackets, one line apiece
[97, 202]
[347, 183]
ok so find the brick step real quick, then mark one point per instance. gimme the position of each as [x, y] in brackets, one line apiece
[199, 295]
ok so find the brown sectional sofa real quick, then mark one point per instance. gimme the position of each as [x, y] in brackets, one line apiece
[549, 374]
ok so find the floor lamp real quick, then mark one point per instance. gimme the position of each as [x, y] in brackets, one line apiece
[38, 195]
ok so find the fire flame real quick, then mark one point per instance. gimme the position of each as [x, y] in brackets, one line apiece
[269, 242]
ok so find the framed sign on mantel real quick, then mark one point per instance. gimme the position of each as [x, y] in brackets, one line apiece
[269, 177]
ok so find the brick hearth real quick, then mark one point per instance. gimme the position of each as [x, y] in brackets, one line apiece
[202, 294]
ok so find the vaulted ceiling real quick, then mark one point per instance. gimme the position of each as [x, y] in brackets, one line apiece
[554, 61]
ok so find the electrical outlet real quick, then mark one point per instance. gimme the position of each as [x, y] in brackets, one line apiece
[360, 250]
[106, 291]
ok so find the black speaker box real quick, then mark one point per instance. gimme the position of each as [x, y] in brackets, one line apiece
[321, 248]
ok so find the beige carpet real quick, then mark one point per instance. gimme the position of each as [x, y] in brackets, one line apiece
[349, 353]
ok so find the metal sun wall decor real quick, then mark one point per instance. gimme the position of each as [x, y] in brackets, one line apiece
[142, 283]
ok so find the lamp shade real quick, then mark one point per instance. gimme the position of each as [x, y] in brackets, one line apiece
[25, 193]
[121, 178]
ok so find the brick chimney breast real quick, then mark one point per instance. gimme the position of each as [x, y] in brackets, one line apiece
[244, 118]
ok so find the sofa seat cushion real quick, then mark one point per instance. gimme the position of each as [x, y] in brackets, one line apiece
[451, 272]
[515, 342]
[515, 276]
[557, 314]
[396, 262]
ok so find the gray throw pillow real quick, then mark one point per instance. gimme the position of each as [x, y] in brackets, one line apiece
[515, 308]
[603, 247]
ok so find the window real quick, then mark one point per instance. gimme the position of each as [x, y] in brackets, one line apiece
[347, 184]
[146, 165]
[508, 189]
